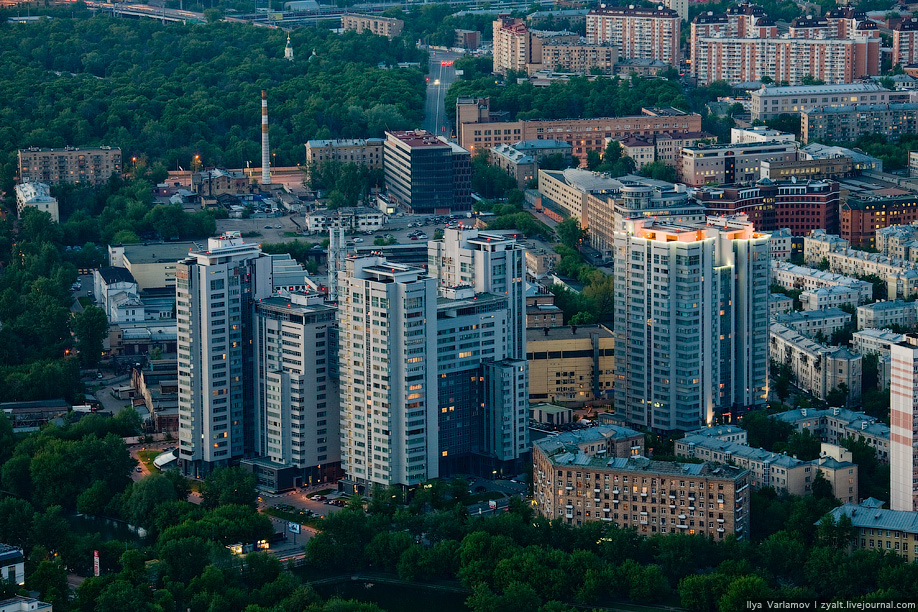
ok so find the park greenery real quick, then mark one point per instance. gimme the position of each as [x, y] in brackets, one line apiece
[165, 93]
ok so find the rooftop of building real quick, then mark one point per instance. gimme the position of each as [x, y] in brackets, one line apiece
[871, 517]
[474, 300]
[547, 334]
[742, 450]
[536, 145]
[822, 151]
[10, 554]
[113, 274]
[851, 419]
[809, 21]
[836, 290]
[646, 466]
[888, 305]
[779, 297]
[812, 315]
[158, 252]
[67, 149]
[585, 180]
[569, 442]
[807, 345]
[345, 211]
[34, 192]
[551, 408]
[715, 431]
[886, 335]
[303, 302]
[376, 17]
[794, 90]
[860, 108]
[345, 142]
[752, 147]
[633, 11]
[824, 275]
[908, 24]
[26, 603]
[418, 139]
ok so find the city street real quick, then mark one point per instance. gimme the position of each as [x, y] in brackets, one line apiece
[440, 77]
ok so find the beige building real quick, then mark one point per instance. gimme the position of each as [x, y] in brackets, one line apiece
[36, 195]
[830, 297]
[813, 322]
[833, 425]
[362, 151]
[578, 486]
[888, 312]
[93, 165]
[477, 127]
[818, 244]
[845, 123]
[770, 102]
[571, 364]
[785, 474]
[893, 531]
[901, 276]
[791, 276]
[383, 26]
[151, 265]
[731, 163]
[521, 160]
[518, 48]
[816, 368]
[638, 33]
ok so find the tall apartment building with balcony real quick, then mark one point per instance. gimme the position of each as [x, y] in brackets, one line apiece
[691, 322]
[215, 290]
[296, 412]
[905, 42]
[903, 415]
[743, 45]
[387, 317]
[516, 47]
[92, 165]
[638, 33]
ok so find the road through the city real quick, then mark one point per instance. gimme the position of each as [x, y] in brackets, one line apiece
[440, 75]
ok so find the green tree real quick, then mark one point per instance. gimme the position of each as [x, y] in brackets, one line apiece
[570, 233]
[90, 326]
[231, 485]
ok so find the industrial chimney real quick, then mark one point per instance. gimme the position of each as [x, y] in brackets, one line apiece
[265, 148]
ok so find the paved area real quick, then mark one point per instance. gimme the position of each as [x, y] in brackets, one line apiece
[440, 75]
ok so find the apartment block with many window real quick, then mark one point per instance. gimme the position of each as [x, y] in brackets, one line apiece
[638, 33]
[93, 165]
[578, 486]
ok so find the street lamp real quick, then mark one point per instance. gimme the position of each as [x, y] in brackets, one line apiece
[134, 160]
[196, 163]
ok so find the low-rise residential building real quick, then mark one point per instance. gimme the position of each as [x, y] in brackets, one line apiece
[731, 163]
[860, 161]
[666, 148]
[782, 243]
[816, 369]
[883, 314]
[812, 323]
[521, 161]
[478, 127]
[383, 26]
[578, 486]
[12, 564]
[875, 528]
[800, 206]
[609, 441]
[760, 133]
[361, 151]
[898, 242]
[833, 425]
[219, 181]
[787, 475]
[778, 303]
[830, 297]
[901, 276]
[360, 219]
[151, 264]
[791, 276]
[25, 604]
[541, 262]
[819, 243]
[846, 123]
[772, 101]
[724, 433]
[38, 196]
[571, 364]
[803, 169]
[872, 341]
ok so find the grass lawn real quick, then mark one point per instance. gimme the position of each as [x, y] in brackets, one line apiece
[147, 457]
[312, 521]
[84, 301]
[291, 235]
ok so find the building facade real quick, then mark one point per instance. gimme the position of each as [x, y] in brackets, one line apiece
[69, 165]
[38, 196]
[426, 174]
[903, 415]
[215, 290]
[386, 319]
[791, 276]
[638, 33]
[382, 26]
[860, 218]
[297, 438]
[875, 528]
[691, 314]
[728, 164]
[571, 364]
[362, 152]
[772, 205]
[579, 486]
[816, 369]
[477, 127]
[769, 102]
[905, 42]
[880, 315]
[833, 425]
[849, 122]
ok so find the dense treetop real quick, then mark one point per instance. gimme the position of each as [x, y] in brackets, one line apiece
[168, 92]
